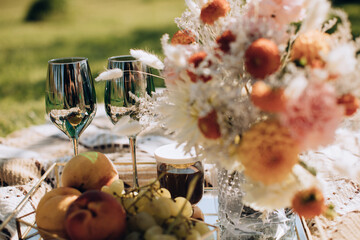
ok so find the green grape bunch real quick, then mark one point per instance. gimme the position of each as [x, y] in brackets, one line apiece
[153, 215]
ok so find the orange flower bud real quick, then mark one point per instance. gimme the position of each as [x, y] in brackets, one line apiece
[262, 58]
[213, 10]
[224, 41]
[209, 126]
[307, 48]
[195, 60]
[183, 37]
[309, 203]
[268, 99]
[350, 102]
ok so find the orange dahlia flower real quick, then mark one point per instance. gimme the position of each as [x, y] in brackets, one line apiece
[183, 37]
[195, 60]
[268, 152]
[209, 126]
[350, 102]
[213, 10]
[307, 48]
[262, 58]
[224, 41]
[309, 203]
[268, 99]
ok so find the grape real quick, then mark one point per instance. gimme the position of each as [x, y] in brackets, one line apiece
[128, 205]
[131, 223]
[201, 227]
[143, 198]
[180, 202]
[162, 237]
[159, 208]
[143, 221]
[179, 220]
[141, 203]
[152, 231]
[117, 187]
[174, 207]
[133, 236]
[178, 226]
[193, 235]
[106, 189]
[146, 192]
[163, 192]
[181, 230]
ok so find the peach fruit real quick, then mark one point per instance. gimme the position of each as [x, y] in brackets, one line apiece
[51, 210]
[95, 215]
[88, 171]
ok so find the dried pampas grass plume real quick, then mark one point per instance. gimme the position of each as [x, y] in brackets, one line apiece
[147, 58]
[109, 74]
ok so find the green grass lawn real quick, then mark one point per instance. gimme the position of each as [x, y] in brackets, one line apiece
[353, 11]
[91, 28]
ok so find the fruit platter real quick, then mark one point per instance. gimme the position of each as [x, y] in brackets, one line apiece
[90, 201]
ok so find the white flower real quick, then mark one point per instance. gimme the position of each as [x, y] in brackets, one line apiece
[177, 55]
[341, 60]
[147, 58]
[316, 14]
[109, 74]
[180, 119]
[281, 11]
[194, 8]
[261, 197]
[178, 58]
[296, 86]
[270, 197]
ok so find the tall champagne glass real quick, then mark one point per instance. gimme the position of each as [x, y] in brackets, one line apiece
[118, 100]
[70, 96]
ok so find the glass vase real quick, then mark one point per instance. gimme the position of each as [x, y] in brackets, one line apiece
[238, 221]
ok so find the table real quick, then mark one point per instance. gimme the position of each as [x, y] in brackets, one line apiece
[36, 148]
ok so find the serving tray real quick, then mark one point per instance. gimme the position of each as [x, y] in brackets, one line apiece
[26, 225]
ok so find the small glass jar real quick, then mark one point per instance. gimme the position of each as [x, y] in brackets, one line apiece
[178, 170]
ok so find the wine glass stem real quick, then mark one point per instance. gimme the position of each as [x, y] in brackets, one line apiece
[75, 143]
[132, 141]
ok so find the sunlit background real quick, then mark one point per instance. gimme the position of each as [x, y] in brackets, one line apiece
[34, 31]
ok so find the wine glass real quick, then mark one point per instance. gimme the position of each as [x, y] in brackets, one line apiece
[70, 96]
[119, 102]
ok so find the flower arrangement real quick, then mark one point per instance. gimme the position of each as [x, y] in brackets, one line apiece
[253, 84]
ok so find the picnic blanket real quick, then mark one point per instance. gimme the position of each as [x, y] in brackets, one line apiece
[25, 155]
